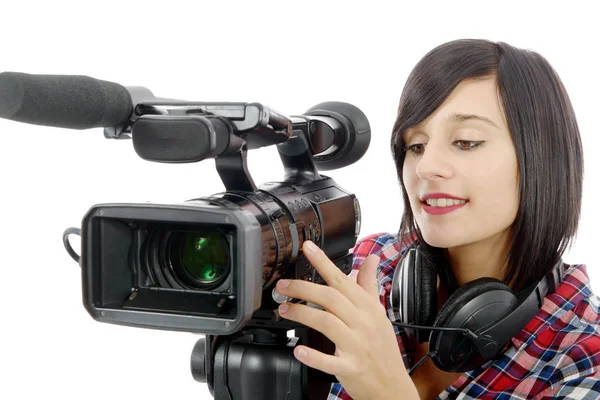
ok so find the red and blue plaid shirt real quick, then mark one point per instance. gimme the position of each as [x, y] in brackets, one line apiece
[557, 355]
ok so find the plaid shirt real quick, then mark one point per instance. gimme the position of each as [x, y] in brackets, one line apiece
[557, 355]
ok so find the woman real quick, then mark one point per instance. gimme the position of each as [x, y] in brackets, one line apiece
[490, 163]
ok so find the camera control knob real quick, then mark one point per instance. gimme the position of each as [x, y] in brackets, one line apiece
[278, 297]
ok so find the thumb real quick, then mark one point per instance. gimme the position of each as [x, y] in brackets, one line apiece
[367, 276]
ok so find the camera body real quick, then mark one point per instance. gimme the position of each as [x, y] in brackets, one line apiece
[209, 265]
[131, 254]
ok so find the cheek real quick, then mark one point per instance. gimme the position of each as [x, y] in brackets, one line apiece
[498, 190]
[410, 179]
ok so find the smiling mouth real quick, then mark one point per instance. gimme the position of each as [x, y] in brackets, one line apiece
[443, 202]
[442, 206]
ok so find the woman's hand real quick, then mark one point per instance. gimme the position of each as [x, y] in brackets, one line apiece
[367, 360]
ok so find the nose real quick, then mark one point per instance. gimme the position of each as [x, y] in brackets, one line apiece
[434, 163]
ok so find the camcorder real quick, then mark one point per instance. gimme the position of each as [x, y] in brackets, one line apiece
[209, 265]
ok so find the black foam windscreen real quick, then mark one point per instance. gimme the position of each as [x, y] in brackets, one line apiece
[66, 101]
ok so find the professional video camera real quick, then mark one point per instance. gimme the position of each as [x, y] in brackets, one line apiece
[209, 265]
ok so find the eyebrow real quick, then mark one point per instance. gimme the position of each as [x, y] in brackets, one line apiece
[469, 117]
[461, 118]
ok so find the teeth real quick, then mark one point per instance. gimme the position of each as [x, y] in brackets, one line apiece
[444, 202]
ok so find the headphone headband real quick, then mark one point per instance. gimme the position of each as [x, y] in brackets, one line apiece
[512, 323]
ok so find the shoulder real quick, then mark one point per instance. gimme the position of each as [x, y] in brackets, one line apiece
[573, 309]
[557, 355]
[576, 327]
[560, 347]
[571, 361]
[568, 324]
[387, 246]
[374, 243]
[572, 347]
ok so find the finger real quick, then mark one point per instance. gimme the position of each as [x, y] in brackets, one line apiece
[332, 275]
[315, 359]
[327, 297]
[367, 276]
[326, 323]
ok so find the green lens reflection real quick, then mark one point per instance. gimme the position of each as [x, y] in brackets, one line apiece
[205, 256]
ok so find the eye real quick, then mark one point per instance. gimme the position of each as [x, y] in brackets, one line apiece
[467, 144]
[417, 148]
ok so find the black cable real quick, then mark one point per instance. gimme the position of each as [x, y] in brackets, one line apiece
[481, 341]
[66, 233]
[465, 331]
[421, 361]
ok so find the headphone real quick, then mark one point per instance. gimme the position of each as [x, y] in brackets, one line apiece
[476, 321]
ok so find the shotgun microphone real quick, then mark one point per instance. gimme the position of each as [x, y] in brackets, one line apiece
[65, 101]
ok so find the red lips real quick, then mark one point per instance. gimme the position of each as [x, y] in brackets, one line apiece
[441, 210]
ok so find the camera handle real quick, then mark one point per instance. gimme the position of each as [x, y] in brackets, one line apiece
[259, 364]
[296, 157]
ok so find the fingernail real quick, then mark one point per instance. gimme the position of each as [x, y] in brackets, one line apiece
[283, 308]
[283, 283]
[310, 246]
[301, 354]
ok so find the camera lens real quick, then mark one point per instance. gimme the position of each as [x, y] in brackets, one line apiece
[200, 258]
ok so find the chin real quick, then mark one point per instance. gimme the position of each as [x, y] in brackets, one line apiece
[444, 241]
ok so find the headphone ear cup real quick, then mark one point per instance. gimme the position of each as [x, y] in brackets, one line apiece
[454, 351]
[425, 301]
[414, 293]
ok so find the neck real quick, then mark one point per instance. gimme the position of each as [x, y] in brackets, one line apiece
[485, 258]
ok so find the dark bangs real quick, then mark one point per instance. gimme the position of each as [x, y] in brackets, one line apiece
[544, 132]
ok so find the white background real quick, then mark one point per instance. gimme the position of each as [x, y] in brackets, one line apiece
[289, 56]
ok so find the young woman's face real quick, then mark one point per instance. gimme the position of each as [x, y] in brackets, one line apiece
[460, 169]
